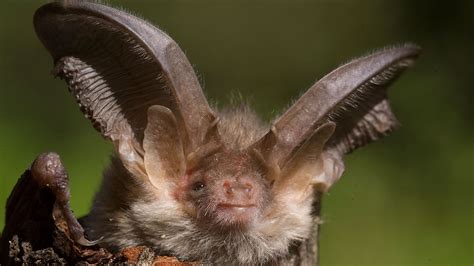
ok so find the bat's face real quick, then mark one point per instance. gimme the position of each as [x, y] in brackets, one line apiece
[227, 189]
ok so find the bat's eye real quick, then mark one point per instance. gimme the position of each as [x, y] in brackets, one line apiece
[197, 189]
[198, 186]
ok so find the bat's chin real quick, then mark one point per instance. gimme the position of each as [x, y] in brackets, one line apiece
[235, 215]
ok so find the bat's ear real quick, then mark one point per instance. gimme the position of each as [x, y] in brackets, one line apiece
[164, 155]
[306, 165]
[117, 66]
[353, 97]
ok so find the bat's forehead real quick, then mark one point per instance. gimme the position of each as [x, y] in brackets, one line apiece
[232, 162]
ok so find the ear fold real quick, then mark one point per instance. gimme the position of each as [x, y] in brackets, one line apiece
[306, 164]
[353, 96]
[332, 167]
[164, 155]
[117, 66]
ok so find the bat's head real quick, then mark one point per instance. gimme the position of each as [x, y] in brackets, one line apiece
[209, 188]
[227, 196]
[226, 189]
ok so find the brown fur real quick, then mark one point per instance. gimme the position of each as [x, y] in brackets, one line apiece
[126, 213]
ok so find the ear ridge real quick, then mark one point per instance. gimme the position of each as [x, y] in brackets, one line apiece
[364, 115]
[130, 155]
[353, 96]
[117, 65]
[164, 157]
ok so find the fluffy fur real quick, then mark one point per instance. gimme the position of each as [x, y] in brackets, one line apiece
[127, 213]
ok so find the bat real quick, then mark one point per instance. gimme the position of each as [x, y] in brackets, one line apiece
[193, 181]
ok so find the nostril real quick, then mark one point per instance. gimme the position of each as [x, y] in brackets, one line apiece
[247, 187]
[228, 188]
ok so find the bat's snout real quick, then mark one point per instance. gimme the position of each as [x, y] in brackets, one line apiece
[238, 200]
[240, 189]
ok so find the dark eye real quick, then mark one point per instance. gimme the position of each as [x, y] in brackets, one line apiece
[198, 186]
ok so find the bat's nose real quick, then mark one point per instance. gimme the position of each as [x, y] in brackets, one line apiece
[240, 189]
[238, 201]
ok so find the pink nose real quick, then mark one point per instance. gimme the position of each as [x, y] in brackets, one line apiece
[239, 189]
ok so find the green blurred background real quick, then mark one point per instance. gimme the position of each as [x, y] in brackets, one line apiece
[406, 200]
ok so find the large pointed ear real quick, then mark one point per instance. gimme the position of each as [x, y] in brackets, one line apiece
[353, 96]
[117, 66]
[164, 155]
[306, 164]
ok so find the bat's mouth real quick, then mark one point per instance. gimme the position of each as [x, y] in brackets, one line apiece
[235, 214]
[233, 205]
[236, 209]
